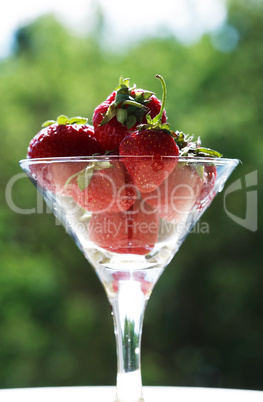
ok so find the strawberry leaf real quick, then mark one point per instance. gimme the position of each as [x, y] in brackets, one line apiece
[131, 121]
[84, 178]
[48, 123]
[207, 152]
[188, 147]
[78, 120]
[165, 126]
[200, 170]
[129, 106]
[120, 98]
[111, 112]
[149, 119]
[102, 165]
[71, 178]
[123, 82]
[132, 102]
[121, 115]
[143, 97]
[62, 119]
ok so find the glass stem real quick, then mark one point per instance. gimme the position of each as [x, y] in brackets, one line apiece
[128, 306]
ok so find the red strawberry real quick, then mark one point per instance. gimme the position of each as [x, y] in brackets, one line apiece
[66, 137]
[111, 134]
[155, 140]
[104, 187]
[129, 232]
[209, 179]
[148, 173]
[122, 111]
[176, 196]
[138, 276]
[207, 194]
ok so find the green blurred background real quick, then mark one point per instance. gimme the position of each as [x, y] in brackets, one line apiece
[204, 322]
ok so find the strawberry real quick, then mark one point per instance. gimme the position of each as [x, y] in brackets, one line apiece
[62, 138]
[103, 187]
[153, 140]
[128, 232]
[121, 112]
[210, 175]
[176, 196]
[191, 148]
[138, 276]
[207, 192]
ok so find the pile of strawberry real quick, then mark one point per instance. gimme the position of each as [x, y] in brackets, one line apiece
[134, 178]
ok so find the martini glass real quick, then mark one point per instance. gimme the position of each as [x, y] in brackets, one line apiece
[128, 230]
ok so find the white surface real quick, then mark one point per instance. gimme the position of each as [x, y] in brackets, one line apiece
[107, 394]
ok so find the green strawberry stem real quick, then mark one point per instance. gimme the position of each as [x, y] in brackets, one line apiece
[164, 96]
[156, 122]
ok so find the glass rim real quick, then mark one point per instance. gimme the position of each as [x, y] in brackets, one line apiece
[71, 159]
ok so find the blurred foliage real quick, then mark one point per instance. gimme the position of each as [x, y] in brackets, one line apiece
[203, 325]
